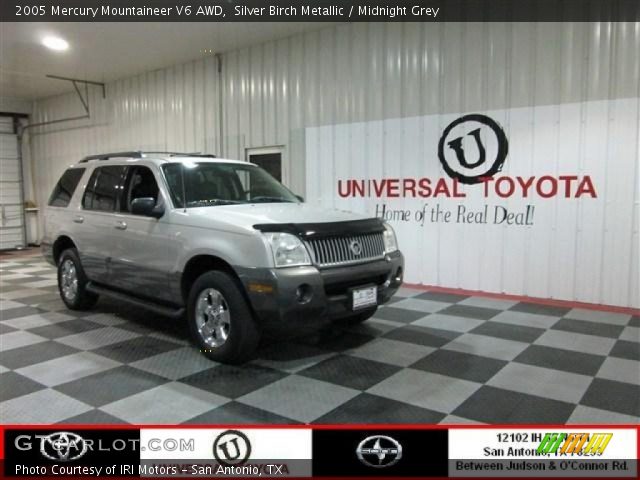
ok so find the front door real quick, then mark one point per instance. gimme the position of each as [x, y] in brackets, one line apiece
[141, 261]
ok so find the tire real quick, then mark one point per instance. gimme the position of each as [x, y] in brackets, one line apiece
[360, 317]
[220, 320]
[72, 282]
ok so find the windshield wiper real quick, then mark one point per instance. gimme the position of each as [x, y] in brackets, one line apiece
[266, 199]
[211, 202]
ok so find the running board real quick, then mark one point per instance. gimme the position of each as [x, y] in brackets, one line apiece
[154, 307]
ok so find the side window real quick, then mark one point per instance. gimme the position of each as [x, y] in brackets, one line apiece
[87, 199]
[63, 191]
[104, 189]
[173, 173]
[140, 184]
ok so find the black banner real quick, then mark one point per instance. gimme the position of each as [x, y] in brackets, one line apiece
[380, 453]
[71, 453]
[318, 10]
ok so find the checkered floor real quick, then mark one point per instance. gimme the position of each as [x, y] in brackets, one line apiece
[428, 357]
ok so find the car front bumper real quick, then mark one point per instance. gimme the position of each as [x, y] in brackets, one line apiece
[305, 294]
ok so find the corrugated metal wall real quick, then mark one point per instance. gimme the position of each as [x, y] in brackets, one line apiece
[173, 109]
[363, 72]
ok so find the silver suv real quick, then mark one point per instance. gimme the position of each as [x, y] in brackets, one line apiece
[220, 241]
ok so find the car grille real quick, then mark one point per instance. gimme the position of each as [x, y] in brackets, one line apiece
[337, 251]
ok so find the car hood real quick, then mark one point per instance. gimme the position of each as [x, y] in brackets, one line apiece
[245, 216]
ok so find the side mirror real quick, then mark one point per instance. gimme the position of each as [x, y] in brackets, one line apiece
[300, 197]
[147, 206]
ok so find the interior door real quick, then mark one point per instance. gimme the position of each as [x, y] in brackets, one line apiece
[12, 228]
[269, 159]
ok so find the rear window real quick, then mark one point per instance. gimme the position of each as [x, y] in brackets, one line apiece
[63, 191]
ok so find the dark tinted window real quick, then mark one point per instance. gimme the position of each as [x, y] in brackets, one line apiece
[67, 184]
[140, 184]
[104, 188]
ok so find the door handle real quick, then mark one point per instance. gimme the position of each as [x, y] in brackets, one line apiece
[78, 219]
[121, 225]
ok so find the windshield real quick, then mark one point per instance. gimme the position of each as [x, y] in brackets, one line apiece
[210, 184]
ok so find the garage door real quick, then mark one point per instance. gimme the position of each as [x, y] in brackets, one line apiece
[12, 232]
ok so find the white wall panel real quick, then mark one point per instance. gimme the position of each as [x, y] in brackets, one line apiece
[368, 75]
[537, 260]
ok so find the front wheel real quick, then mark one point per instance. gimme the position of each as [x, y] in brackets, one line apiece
[72, 282]
[220, 320]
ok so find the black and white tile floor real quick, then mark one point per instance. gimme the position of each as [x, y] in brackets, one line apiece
[428, 358]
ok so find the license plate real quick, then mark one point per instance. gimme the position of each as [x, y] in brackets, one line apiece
[365, 297]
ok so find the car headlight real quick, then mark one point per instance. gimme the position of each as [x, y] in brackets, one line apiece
[390, 241]
[288, 250]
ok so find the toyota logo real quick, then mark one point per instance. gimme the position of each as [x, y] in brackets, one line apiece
[63, 446]
[356, 247]
[379, 451]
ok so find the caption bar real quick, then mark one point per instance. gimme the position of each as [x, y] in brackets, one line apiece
[325, 452]
[316, 11]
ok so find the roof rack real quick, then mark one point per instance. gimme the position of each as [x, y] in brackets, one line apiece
[187, 154]
[107, 156]
[139, 154]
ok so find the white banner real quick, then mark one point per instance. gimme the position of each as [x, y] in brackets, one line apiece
[500, 443]
[566, 452]
[198, 443]
[536, 201]
[225, 452]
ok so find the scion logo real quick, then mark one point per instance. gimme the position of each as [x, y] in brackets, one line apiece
[379, 451]
[473, 147]
[63, 446]
[231, 447]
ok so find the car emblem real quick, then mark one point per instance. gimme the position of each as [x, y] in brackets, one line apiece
[231, 447]
[63, 446]
[379, 451]
[355, 247]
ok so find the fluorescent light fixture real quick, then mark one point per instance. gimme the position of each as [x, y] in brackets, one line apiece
[55, 43]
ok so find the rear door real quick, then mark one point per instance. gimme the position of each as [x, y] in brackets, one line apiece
[141, 261]
[96, 232]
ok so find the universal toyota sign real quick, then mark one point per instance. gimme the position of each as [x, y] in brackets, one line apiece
[472, 150]
[461, 140]
[523, 193]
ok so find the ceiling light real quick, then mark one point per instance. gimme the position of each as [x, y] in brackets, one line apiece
[55, 43]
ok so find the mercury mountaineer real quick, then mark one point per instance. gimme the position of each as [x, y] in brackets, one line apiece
[218, 242]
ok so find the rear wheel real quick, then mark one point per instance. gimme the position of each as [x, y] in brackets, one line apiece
[72, 282]
[220, 320]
